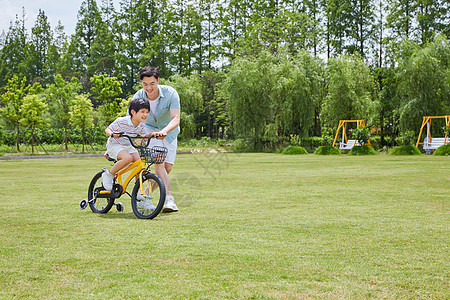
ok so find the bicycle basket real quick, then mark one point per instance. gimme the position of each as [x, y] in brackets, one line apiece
[154, 155]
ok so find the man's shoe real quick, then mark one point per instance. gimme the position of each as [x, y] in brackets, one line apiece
[139, 196]
[169, 205]
[145, 204]
[143, 200]
[108, 180]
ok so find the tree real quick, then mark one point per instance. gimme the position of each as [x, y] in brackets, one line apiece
[432, 18]
[337, 27]
[213, 119]
[13, 100]
[105, 91]
[234, 19]
[60, 97]
[81, 115]
[32, 111]
[189, 90]
[156, 50]
[52, 63]
[87, 30]
[400, 18]
[424, 83]
[351, 91]
[13, 56]
[101, 58]
[133, 29]
[41, 38]
[296, 93]
[361, 20]
[248, 85]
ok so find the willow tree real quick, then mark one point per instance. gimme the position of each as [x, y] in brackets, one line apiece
[351, 91]
[424, 83]
[248, 85]
[296, 93]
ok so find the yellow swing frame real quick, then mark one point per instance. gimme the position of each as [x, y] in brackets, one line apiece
[433, 143]
[344, 144]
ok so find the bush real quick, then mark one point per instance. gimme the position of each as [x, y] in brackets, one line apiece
[405, 150]
[313, 142]
[442, 150]
[327, 150]
[241, 145]
[406, 138]
[294, 150]
[361, 134]
[375, 142]
[362, 150]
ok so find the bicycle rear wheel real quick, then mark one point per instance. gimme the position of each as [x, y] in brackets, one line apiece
[99, 205]
[151, 204]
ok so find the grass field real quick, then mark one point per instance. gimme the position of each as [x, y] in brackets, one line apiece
[258, 226]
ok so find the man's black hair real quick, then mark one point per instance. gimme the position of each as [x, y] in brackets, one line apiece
[148, 72]
[138, 104]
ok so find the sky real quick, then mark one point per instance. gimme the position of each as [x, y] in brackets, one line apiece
[64, 10]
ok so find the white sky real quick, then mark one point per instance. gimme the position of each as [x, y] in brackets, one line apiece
[64, 10]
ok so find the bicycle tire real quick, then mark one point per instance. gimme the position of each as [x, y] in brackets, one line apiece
[99, 205]
[157, 197]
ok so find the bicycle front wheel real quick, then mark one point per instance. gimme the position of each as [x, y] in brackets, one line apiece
[99, 205]
[149, 205]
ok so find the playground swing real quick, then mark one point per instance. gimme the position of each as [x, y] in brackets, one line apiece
[345, 143]
[432, 143]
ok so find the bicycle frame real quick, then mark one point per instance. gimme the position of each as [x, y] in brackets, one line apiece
[138, 166]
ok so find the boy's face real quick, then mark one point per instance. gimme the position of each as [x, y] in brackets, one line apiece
[140, 116]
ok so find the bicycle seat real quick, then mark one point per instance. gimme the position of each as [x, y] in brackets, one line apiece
[109, 158]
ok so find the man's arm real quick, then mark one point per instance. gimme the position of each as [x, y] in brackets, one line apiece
[175, 116]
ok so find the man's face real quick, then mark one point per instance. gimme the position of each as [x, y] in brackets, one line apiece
[150, 85]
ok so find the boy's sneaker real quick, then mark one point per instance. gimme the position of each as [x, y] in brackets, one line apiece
[108, 180]
[169, 205]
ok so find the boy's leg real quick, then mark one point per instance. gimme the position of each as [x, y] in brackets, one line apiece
[123, 159]
[135, 156]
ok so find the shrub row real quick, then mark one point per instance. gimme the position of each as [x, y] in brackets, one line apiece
[53, 136]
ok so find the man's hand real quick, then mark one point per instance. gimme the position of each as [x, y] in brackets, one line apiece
[160, 135]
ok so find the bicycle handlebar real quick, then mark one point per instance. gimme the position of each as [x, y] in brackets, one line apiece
[139, 137]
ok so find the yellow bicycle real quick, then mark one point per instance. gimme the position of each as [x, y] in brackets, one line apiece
[149, 193]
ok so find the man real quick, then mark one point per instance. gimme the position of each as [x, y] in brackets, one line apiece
[164, 118]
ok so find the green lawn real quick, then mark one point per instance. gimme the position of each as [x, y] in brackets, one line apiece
[263, 226]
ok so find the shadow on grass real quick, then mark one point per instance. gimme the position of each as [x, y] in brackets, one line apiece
[129, 215]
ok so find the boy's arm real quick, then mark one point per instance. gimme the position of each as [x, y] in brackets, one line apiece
[110, 133]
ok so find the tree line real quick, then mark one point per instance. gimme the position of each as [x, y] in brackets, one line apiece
[262, 69]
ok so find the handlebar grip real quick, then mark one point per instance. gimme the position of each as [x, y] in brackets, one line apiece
[119, 133]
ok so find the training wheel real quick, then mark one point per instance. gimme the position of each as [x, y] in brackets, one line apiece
[83, 204]
[119, 207]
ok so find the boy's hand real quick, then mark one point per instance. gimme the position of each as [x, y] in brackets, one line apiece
[116, 134]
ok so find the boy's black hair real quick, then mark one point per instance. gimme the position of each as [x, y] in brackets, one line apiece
[138, 104]
[148, 72]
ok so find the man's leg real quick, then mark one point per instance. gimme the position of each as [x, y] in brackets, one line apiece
[161, 171]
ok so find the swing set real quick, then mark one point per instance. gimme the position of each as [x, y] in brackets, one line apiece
[345, 143]
[432, 143]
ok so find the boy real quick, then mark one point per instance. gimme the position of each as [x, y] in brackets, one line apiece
[120, 148]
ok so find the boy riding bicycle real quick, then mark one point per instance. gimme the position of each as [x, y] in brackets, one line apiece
[119, 148]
